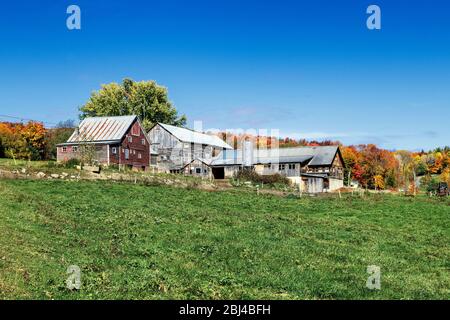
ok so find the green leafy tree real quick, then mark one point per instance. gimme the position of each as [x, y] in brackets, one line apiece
[146, 99]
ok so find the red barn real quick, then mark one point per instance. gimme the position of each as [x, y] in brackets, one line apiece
[118, 141]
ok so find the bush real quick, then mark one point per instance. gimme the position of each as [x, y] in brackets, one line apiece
[71, 163]
[51, 164]
[431, 183]
[251, 175]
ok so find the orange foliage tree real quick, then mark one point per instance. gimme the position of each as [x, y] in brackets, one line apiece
[19, 141]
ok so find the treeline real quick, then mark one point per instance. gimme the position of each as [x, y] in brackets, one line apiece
[32, 141]
[377, 168]
[371, 167]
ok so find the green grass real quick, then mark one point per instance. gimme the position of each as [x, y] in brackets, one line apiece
[18, 164]
[47, 167]
[143, 242]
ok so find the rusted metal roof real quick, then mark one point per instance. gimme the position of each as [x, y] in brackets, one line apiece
[99, 129]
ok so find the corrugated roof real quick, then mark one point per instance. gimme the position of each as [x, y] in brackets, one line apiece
[191, 136]
[102, 129]
[322, 155]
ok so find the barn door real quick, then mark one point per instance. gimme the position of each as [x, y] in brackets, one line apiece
[315, 185]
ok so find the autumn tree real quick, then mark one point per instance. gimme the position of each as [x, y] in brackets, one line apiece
[34, 135]
[375, 161]
[19, 141]
[351, 164]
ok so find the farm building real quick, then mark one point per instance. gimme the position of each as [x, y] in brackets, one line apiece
[176, 148]
[118, 140]
[315, 169]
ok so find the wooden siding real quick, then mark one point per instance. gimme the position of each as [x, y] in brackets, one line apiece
[174, 154]
[139, 152]
[138, 149]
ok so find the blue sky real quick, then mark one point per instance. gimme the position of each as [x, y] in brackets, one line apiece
[308, 68]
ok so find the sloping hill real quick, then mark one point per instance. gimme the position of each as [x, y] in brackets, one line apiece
[141, 242]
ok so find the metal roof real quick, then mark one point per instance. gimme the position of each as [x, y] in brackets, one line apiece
[96, 129]
[191, 136]
[322, 155]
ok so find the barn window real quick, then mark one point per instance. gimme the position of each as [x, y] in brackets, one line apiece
[291, 166]
[198, 170]
[143, 142]
[74, 149]
[281, 167]
[130, 139]
[139, 155]
[114, 150]
[135, 130]
[127, 154]
[64, 149]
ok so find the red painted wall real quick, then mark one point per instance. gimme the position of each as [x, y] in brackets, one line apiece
[135, 147]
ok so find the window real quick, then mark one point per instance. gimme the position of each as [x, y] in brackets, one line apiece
[74, 149]
[130, 139]
[134, 151]
[291, 166]
[198, 170]
[281, 167]
[143, 142]
[139, 155]
[135, 130]
[64, 149]
[127, 154]
[114, 150]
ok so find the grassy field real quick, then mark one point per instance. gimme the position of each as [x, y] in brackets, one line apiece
[143, 242]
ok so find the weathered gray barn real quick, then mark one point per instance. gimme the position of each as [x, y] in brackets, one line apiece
[174, 149]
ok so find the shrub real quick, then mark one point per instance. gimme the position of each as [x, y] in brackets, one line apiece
[251, 175]
[51, 164]
[71, 163]
[431, 183]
